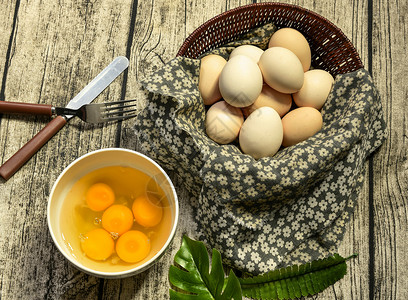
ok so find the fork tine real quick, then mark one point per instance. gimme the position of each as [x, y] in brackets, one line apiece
[118, 110]
[114, 103]
[114, 113]
[119, 115]
[118, 118]
[114, 108]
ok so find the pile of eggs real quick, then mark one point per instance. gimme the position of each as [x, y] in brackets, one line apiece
[250, 95]
[116, 234]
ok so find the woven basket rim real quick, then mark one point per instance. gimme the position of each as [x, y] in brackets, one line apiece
[269, 5]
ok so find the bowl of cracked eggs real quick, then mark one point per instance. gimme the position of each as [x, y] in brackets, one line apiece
[113, 212]
[268, 99]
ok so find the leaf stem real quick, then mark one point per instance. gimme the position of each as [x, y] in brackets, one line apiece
[351, 256]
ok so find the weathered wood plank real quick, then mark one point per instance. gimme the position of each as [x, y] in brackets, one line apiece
[390, 169]
[7, 31]
[59, 48]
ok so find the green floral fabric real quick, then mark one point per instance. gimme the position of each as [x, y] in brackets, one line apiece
[267, 213]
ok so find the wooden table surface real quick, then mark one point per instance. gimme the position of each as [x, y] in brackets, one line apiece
[50, 49]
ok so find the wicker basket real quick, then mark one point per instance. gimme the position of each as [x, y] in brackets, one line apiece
[331, 49]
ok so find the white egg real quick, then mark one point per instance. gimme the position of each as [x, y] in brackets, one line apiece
[293, 40]
[281, 70]
[240, 81]
[250, 51]
[262, 133]
[315, 90]
[223, 122]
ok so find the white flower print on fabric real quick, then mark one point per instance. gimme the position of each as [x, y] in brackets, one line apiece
[275, 211]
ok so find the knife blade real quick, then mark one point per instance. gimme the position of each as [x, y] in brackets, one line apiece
[99, 83]
[85, 96]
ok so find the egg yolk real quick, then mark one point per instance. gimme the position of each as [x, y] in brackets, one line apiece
[133, 246]
[117, 219]
[147, 211]
[99, 196]
[98, 244]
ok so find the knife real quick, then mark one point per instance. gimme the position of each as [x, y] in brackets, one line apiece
[86, 96]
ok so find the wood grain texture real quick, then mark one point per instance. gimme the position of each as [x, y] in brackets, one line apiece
[7, 31]
[59, 48]
[390, 74]
[49, 50]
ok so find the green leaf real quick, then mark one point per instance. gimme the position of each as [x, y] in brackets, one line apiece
[296, 281]
[195, 280]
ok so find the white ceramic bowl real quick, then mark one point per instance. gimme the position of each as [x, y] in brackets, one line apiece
[93, 161]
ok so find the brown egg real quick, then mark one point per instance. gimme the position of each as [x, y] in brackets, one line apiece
[223, 122]
[315, 90]
[293, 40]
[210, 70]
[271, 98]
[300, 124]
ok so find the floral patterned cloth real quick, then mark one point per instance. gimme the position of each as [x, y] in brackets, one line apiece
[275, 211]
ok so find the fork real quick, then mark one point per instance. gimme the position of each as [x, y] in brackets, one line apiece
[91, 113]
[102, 112]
